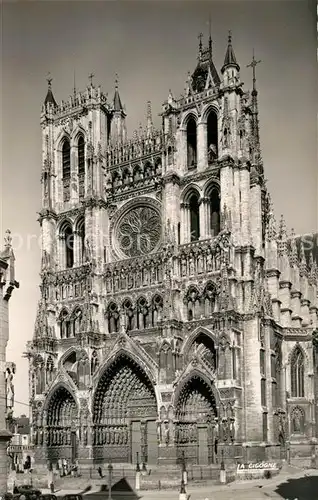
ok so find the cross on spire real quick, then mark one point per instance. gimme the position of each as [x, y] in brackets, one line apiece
[116, 80]
[253, 65]
[91, 76]
[49, 79]
[200, 36]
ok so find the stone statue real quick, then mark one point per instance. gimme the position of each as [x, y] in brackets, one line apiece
[10, 371]
[212, 153]
[88, 250]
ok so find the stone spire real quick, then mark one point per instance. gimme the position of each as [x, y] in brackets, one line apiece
[230, 59]
[303, 268]
[149, 120]
[49, 96]
[117, 101]
[271, 229]
[293, 249]
[256, 158]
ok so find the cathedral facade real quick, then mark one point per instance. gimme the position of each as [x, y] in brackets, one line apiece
[176, 319]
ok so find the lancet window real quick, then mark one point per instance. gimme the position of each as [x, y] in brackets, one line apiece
[297, 374]
[81, 241]
[212, 137]
[213, 214]
[194, 208]
[66, 169]
[81, 166]
[191, 144]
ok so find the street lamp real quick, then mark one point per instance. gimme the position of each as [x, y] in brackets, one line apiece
[110, 472]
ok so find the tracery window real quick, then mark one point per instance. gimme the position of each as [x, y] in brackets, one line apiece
[194, 217]
[191, 144]
[66, 169]
[212, 137]
[214, 219]
[81, 241]
[81, 166]
[69, 246]
[297, 374]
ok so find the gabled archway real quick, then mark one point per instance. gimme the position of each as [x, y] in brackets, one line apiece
[196, 413]
[125, 413]
[61, 421]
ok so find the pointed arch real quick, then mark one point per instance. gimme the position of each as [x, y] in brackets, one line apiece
[207, 109]
[124, 393]
[189, 191]
[80, 238]
[66, 236]
[62, 413]
[197, 333]
[191, 131]
[193, 379]
[188, 115]
[297, 375]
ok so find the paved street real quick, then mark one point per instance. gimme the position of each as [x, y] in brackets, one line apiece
[300, 485]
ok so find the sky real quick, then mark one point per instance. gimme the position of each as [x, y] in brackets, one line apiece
[152, 46]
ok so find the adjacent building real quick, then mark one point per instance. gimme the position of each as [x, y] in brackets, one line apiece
[7, 285]
[177, 318]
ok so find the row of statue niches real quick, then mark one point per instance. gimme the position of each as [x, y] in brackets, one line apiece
[52, 437]
[127, 176]
[111, 435]
[118, 279]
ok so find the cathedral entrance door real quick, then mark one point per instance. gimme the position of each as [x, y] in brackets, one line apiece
[203, 451]
[195, 410]
[135, 442]
[124, 402]
[152, 442]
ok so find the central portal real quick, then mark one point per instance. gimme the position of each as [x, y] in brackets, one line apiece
[125, 414]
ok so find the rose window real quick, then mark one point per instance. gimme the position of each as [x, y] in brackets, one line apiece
[139, 231]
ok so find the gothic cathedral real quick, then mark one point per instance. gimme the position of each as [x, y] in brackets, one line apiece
[176, 318]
